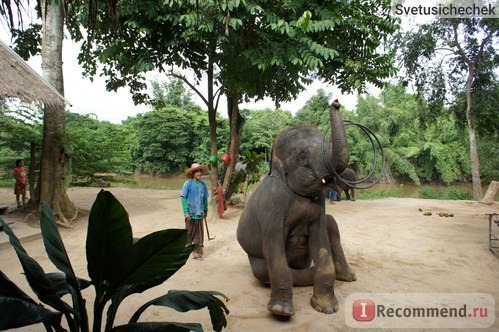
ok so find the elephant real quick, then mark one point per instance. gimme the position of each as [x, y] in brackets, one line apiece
[349, 175]
[284, 230]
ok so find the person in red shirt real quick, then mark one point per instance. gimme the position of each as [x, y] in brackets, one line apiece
[21, 175]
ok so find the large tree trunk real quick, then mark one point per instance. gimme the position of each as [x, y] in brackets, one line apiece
[212, 121]
[236, 128]
[51, 183]
[475, 163]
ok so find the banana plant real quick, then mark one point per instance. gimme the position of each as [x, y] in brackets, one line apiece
[118, 266]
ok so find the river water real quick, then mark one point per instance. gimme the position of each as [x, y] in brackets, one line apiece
[458, 191]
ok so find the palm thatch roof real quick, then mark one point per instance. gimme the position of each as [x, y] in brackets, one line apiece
[18, 80]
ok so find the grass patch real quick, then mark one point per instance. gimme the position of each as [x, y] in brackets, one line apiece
[7, 182]
[456, 193]
[373, 193]
[429, 192]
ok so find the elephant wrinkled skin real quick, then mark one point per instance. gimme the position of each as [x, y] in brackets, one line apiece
[289, 239]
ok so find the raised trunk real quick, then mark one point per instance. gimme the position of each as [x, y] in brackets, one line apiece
[340, 150]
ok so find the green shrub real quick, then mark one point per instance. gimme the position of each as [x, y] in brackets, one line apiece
[459, 194]
[428, 192]
[373, 193]
[118, 266]
[6, 181]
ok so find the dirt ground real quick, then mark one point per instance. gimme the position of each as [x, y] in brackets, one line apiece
[391, 245]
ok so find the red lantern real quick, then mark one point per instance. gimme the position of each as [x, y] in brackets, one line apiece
[226, 157]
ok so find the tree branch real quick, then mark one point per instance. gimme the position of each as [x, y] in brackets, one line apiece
[186, 81]
[460, 50]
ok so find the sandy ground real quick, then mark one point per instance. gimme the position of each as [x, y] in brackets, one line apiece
[389, 243]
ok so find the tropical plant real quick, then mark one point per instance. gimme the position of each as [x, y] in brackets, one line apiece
[262, 127]
[249, 174]
[97, 147]
[452, 58]
[118, 266]
[248, 49]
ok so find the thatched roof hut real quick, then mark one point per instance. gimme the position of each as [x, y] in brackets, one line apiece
[19, 80]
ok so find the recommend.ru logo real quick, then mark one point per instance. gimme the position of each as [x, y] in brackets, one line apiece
[420, 310]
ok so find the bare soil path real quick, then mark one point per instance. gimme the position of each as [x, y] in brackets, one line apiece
[391, 245]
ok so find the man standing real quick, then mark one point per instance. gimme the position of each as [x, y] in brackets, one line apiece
[194, 198]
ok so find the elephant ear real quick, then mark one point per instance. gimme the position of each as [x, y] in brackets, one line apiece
[277, 167]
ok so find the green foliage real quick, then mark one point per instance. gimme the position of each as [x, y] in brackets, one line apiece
[428, 192]
[455, 61]
[415, 149]
[20, 128]
[169, 138]
[459, 194]
[262, 127]
[118, 266]
[376, 193]
[97, 147]
[258, 48]
[171, 93]
[315, 111]
[249, 175]
[488, 151]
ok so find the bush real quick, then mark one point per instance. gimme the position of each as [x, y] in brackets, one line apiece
[118, 266]
[378, 193]
[459, 194]
[428, 192]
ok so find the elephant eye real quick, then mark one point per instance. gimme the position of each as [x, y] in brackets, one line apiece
[302, 159]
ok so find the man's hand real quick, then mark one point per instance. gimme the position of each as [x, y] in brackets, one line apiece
[187, 217]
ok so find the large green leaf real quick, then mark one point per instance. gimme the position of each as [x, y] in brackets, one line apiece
[139, 287]
[58, 256]
[37, 279]
[150, 256]
[9, 289]
[109, 238]
[59, 283]
[18, 309]
[18, 313]
[186, 300]
[54, 245]
[168, 271]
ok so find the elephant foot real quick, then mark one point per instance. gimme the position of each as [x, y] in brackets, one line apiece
[324, 304]
[280, 308]
[345, 274]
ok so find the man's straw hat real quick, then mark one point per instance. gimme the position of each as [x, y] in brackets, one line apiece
[190, 171]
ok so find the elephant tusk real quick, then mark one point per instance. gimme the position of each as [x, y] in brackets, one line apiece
[324, 181]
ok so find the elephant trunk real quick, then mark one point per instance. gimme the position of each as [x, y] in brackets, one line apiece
[340, 150]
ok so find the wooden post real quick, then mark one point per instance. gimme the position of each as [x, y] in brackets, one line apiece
[491, 193]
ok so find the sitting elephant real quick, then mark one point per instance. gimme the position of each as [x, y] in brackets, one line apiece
[349, 175]
[284, 229]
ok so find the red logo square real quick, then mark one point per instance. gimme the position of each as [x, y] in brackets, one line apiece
[363, 310]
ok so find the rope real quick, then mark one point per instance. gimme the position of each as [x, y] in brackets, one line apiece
[374, 141]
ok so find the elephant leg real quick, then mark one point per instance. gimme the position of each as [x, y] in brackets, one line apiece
[347, 194]
[343, 270]
[323, 298]
[260, 269]
[304, 277]
[281, 297]
[352, 195]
